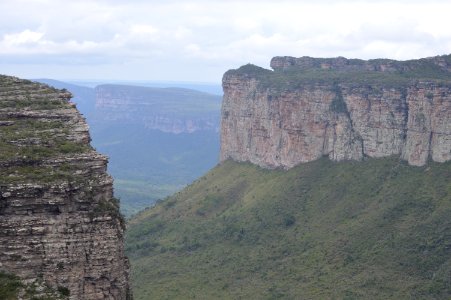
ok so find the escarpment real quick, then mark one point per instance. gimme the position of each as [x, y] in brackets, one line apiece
[170, 110]
[344, 109]
[59, 222]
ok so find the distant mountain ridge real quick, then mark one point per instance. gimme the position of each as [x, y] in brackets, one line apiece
[210, 88]
[172, 110]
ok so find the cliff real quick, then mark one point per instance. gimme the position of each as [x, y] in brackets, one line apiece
[344, 109]
[171, 110]
[59, 221]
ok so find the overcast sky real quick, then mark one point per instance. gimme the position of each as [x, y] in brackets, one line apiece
[199, 40]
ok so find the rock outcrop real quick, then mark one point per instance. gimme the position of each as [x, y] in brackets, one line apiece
[59, 221]
[344, 109]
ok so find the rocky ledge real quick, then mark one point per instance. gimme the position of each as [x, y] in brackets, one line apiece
[59, 222]
[344, 109]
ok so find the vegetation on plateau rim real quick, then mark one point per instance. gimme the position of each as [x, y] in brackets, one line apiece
[294, 78]
[27, 143]
[377, 229]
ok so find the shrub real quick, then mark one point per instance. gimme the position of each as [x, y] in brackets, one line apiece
[64, 291]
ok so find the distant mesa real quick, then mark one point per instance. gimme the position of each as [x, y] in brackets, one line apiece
[171, 110]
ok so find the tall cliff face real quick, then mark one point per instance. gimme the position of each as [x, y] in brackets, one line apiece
[59, 222]
[344, 109]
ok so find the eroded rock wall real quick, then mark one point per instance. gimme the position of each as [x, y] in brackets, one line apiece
[59, 221]
[274, 122]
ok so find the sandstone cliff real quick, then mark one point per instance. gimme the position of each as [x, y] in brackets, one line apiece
[59, 222]
[344, 109]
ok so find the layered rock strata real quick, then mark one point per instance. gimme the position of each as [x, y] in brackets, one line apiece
[59, 221]
[344, 109]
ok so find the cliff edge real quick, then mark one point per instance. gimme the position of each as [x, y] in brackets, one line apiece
[346, 109]
[59, 222]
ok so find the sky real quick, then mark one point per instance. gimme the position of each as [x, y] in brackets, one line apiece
[197, 41]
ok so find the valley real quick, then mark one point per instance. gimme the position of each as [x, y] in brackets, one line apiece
[334, 185]
[225, 150]
[158, 139]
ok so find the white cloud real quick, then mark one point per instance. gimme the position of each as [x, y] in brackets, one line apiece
[29, 42]
[143, 29]
[24, 37]
[200, 40]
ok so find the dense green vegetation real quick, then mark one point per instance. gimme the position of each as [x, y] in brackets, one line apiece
[377, 229]
[11, 287]
[338, 104]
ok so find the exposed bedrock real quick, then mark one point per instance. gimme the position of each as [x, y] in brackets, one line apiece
[59, 222]
[346, 110]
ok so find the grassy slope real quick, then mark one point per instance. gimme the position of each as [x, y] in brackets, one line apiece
[376, 229]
